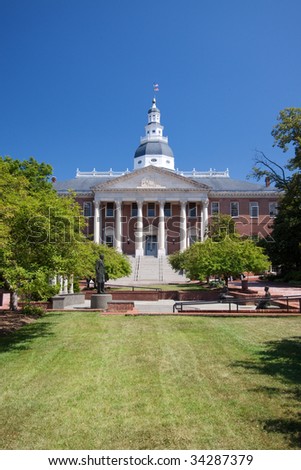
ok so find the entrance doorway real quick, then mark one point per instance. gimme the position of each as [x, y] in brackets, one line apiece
[151, 245]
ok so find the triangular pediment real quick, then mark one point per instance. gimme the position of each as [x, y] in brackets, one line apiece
[151, 178]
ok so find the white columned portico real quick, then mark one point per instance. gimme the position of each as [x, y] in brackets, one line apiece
[183, 227]
[161, 230]
[139, 231]
[96, 223]
[204, 219]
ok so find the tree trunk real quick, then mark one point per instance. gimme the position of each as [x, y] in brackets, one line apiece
[13, 303]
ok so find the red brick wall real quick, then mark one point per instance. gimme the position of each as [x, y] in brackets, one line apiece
[245, 225]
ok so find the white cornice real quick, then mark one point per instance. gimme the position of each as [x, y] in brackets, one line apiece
[141, 189]
[244, 194]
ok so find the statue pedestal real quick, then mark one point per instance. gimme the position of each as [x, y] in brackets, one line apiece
[100, 300]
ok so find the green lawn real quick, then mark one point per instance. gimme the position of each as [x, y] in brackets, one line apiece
[85, 381]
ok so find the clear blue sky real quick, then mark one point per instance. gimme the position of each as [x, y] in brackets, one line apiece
[77, 75]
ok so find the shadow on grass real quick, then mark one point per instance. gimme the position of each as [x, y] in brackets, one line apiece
[20, 339]
[282, 360]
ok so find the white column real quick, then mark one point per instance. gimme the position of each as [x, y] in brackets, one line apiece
[65, 285]
[96, 223]
[183, 227]
[118, 226]
[161, 231]
[139, 231]
[100, 208]
[71, 284]
[60, 281]
[204, 219]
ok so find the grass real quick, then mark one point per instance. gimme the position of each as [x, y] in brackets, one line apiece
[82, 381]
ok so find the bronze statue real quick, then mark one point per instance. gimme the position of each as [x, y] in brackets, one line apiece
[264, 303]
[100, 275]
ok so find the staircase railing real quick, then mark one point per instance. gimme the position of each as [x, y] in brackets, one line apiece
[160, 268]
[137, 267]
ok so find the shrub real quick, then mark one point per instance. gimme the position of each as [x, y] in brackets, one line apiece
[33, 310]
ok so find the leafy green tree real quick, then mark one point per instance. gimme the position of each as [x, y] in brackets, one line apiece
[177, 260]
[221, 226]
[41, 233]
[224, 258]
[117, 264]
[287, 134]
[284, 244]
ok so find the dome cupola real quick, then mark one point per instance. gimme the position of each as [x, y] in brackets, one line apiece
[154, 148]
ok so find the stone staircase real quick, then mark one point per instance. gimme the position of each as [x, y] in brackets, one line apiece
[150, 270]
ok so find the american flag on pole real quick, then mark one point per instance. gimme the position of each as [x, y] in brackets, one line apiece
[156, 86]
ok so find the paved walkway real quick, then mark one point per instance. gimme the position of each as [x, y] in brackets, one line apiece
[161, 306]
[275, 288]
[166, 306]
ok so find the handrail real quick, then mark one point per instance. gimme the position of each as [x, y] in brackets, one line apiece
[137, 267]
[160, 268]
[238, 301]
[156, 289]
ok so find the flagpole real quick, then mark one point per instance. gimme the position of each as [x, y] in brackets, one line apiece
[155, 88]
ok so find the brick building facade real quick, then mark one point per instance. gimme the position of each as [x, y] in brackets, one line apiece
[156, 210]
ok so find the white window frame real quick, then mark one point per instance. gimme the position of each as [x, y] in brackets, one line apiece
[149, 209]
[254, 205]
[218, 209]
[87, 209]
[134, 210]
[192, 207]
[232, 203]
[167, 211]
[109, 241]
[273, 209]
[108, 211]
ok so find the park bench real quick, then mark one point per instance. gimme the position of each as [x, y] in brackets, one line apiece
[283, 302]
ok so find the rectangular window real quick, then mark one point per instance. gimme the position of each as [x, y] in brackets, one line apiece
[110, 209]
[254, 209]
[214, 208]
[87, 209]
[134, 211]
[193, 239]
[273, 209]
[167, 209]
[151, 210]
[109, 240]
[192, 209]
[234, 209]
